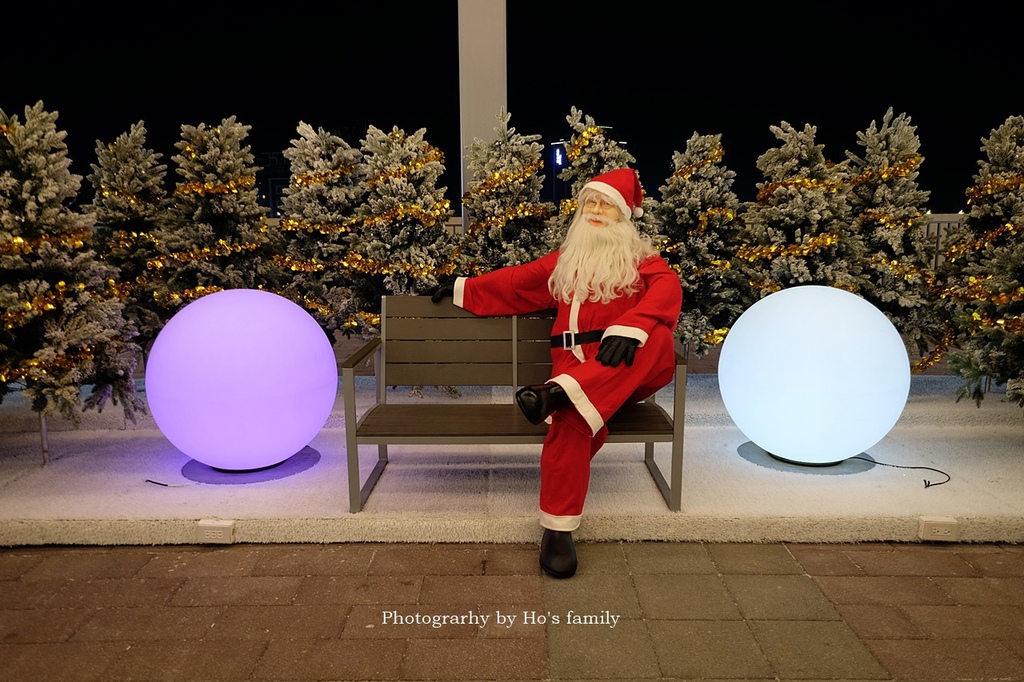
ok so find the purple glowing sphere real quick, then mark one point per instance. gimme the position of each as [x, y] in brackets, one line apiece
[241, 379]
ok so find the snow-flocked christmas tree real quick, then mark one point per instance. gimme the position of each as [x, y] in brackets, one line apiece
[216, 235]
[699, 216]
[983, 271]
[318, 210]
[591, 152]
[129, 205]
[889, 214]
[507, 219]
[798, 230]
[402, 245]
[62, 326]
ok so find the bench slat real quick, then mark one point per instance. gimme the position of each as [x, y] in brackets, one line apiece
[448, 352]
[432, 374]
[448, 328]
[489, 423]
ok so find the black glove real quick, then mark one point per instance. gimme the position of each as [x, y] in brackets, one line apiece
[445, 289]
[615, 349]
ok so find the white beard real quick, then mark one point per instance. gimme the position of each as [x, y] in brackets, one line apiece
[598, 263]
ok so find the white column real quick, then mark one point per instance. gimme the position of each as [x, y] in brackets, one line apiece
[482, 78]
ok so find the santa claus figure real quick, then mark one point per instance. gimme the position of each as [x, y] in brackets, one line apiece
[618, 303]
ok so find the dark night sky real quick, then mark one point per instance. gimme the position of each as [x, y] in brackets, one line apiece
[655, 72]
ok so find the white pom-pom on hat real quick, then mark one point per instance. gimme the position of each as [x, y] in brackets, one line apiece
[622, 186]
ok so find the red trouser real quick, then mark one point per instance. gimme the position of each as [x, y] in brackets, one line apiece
[571, 442]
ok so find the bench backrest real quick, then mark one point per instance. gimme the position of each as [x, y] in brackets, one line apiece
[439, 344]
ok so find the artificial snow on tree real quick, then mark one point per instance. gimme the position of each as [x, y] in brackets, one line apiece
[699, 217]
[798, 230]
[319, 208]
[983, 272]
[216, 234]
[402, 245]
[507, 219]
[63, 326]
[889, 214]
[129, 204]
[591, 152]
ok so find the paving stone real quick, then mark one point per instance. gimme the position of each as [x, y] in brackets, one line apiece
[233, 560]
[330, 659]
[478, 659]
[147, 623]
[212, 591]
[14, 564]
[594, 651]
[668, 558]
[427, 560]
[983, 591]
[816, 650]
[304, 560]
[898, 561]
[685, 597]
[475, 589]
[1005, 564]
[116, 592]
[879, 621]
[186, 660]
[89, 565]
[357, 589]
[881, 590]
[752, 558]
[278, 622]
[779, 597]
[706, 650]
[968, 622]
[70, 661]
[512, 560]
[824, 560]
[947, 659]
[592, 594]
[40, 625]
[599, 557]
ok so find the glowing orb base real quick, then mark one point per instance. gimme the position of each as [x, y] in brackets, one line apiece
[241, 379]
[814, 374]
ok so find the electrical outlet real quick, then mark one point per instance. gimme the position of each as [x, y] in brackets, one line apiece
[220, 531]
[938, 528]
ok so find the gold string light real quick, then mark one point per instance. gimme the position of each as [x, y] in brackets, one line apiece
[899, 170]
[296, 225]
[992, 186]
[575, 148]
[307, 179]
[522, 210]
[717, 153]
[427, 216]
[497, 179]
[936, 353]
[430, 154]
[204, 188]
[804, 183]
[222, 248]
[20, 245]
[984, 241]
[822, 241]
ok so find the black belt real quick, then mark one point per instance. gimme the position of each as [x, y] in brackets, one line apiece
[567, 340]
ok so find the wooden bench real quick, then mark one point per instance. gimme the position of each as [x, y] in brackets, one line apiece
[423, 343]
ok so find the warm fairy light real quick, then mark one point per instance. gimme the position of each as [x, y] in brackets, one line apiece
[804, 183]
[427, 216]
[522, 210]
[899, 170]
[575, 148]
[717, 153]
[500, 178]
[984, 241]
[808, 247]
[307, 179]
[204, 188]
[992, 186]
[296, 225]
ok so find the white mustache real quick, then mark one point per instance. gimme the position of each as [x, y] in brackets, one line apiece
[604, 220]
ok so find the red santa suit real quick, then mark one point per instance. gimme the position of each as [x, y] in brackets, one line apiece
[575, 435]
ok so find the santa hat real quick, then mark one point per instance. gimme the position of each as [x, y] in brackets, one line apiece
[622, 186]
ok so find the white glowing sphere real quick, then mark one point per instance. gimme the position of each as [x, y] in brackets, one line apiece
[814, 374]
[241, 379]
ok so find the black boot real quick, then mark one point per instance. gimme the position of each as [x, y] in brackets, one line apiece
[557, 553]
[538, 402]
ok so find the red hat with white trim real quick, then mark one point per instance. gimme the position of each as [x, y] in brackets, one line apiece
[622, 186]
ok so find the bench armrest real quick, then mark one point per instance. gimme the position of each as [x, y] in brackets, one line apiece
[359, 357]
